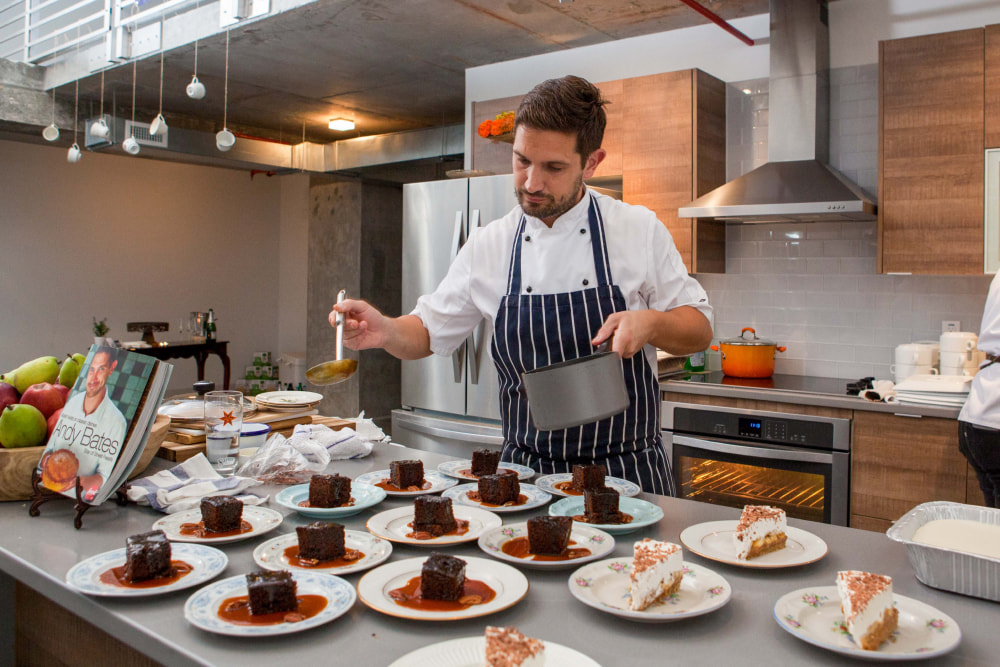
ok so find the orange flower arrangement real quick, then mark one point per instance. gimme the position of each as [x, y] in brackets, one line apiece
[502, 123]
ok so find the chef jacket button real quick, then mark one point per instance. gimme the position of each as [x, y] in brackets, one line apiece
[528, 239]
[586, 282]
[583, 231]
[527, 289]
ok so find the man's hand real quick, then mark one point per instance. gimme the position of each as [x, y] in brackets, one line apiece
[683, 330]
[365, 327]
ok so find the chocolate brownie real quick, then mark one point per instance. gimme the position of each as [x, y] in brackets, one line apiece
[485, 461]
[271, 592]
[321, 540]
[329, 490]
[500, 488]
[587, 476]
[549, 534]
[221, 514]
[404, 474]
[147, 556]
[442, 577]
[601, 506]
[433, 514]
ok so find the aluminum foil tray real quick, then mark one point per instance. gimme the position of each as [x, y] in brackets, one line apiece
[968, 574]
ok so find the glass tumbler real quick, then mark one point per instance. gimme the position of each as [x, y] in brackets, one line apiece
[223, 422]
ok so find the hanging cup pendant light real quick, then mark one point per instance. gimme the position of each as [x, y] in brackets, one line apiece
[195, 89]
[159, 125]
[224, 139]
[51, 133]
[99, 128]
[74, 154]
[130, 145]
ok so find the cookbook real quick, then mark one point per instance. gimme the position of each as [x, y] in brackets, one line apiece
[104, 424]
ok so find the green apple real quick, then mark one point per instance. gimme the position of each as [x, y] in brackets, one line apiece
[22, 425]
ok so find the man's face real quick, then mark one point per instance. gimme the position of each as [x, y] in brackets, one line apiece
[548, 176]
[97, 374]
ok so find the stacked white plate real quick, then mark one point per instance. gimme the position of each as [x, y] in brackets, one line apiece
[940, 390]
[287, 401]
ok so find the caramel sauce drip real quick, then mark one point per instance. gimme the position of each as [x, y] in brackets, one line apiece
[474, 592]
[623, 518]
[349, 503]
[520, 547]
[389, 486]
[198, 530]
[474, 497]
[350, 556]
[462, 529]
[236, 610]
[115, 576]
[568, 488]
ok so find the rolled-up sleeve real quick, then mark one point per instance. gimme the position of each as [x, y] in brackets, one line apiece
[670, 286]
[449, 313]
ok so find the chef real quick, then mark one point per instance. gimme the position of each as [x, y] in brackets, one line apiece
[564, 271]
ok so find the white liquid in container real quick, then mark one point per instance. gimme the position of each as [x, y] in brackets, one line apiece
[965, 535]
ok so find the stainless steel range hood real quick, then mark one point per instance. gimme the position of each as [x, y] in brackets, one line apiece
[796, 184]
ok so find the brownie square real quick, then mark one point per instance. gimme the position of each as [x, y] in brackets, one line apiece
[442, 577]
[329, 490]
[601, 506]
[587, 476]
[500, 488]
[485, 461]
[271, 592]
[549, 534]
[403, 474]
[434, 515]
[321, 540]
[147, 556]
[221, 514]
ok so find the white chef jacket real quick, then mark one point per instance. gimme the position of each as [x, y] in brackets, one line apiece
[105, 424]
[645, 264]
[983, 405]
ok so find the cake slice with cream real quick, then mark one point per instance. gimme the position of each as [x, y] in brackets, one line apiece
[507, 647]
[866, 602]
[760, 531]
[657, 569]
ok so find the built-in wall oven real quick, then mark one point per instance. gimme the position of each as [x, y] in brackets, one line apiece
[736, 457]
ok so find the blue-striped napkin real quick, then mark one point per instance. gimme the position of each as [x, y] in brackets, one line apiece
[182, 487]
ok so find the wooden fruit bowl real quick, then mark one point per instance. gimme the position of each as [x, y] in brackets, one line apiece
[16, 464]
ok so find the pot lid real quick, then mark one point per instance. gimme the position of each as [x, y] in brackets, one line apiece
[747, 337]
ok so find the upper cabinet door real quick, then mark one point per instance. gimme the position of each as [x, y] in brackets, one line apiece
[993, 86]
[613, 92]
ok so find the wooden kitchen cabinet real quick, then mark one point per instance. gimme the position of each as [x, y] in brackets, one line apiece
[992, 88]
[931, 127]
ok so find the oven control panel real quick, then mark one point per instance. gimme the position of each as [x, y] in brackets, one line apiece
[772, 428]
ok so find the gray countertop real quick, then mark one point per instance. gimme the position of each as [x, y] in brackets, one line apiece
[39, 552]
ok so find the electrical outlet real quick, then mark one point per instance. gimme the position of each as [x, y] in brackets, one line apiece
[950, 325]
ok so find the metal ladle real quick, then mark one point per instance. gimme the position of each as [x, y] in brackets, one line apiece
[339, 369]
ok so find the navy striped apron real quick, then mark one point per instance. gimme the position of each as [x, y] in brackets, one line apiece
[532, 331]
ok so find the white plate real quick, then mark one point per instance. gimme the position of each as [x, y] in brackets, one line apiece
[201, 609]
[438, 482]
[599, 543]
[622, 486]
[206, 562]
[365, 496]
[288, 398]
[262, 520]
[604, 585]
[714, 540]
[643, 513]
[455, 468]
[271, 554]
[534, 497]
[813, 615]
[392, 525]
[471, 652]
[508, 582]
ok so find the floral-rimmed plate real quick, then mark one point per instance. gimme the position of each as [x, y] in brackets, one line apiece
[364, 495]
[643, 513]
[201, 609]
[508, 582]
[714, 540]
[438, 482]
[262, 520]
[288, 398]
[813, 615]
[604, 585]
[597, 541]
[534, 497]
[462, 469]
[471, 652]
[394, 525]
[549, 483]
[271, 554]
[206, 562]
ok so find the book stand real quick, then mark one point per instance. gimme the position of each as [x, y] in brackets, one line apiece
[42, 495]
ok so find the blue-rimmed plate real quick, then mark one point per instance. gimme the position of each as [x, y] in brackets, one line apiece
[206, 562]
[271, 554]
[462, 469]
[643, 513]
[364, 495]
[534, 497]
[202, 609]
[599, 543]
[813, 615]
[434, 482]
[396, 525]
[261, 520]
[551, 483]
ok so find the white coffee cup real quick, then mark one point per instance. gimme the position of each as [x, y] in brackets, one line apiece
[915, 354]
[960, 358]
[935, 348]
[195, 89]
[74, 153]
[947, 369]
[224, 140]
[958, 340]
[51, 133]
[99, 128]
[902, 371]
[158, 126]
[131, 146]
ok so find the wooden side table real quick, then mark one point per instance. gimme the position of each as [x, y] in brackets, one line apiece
[198, 351]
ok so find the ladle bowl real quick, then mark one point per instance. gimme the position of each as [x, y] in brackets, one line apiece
[339, 369]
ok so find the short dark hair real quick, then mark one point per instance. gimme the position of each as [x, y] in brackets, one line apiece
[570, 104]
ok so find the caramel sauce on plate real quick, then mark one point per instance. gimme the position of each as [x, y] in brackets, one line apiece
[474, 497]
[350, 556]
[388, 486]
[567, 488]
[115, 576]
[468, 474]
[349, 503]
[462, 529]
[624, 518]
[475, 592]
[198, 530]
[519, 547]
[236, 610]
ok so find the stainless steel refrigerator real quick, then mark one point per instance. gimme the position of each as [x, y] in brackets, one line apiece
[450, 404]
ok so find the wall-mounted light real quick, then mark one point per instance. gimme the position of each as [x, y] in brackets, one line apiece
[341, 124]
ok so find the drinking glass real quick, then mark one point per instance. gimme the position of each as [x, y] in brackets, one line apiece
[223, 422]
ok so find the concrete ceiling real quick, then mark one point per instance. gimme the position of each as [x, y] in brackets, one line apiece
[390, 65]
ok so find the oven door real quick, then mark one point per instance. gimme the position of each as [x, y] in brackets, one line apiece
[807, 484]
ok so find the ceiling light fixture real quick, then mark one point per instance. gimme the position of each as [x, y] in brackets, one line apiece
[341, 124]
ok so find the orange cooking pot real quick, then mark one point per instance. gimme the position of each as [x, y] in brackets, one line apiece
[748, 357]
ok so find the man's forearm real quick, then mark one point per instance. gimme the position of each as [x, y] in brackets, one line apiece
[680, 331]
[407, 338]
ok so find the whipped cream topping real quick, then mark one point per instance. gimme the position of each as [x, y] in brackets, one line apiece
[864, 598]
[508, 647]
[756, 522]
[655, 567]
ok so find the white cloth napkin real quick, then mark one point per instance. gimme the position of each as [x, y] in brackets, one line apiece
[182, 487]
[881, 391]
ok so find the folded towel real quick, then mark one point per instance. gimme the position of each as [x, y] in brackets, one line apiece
[182, 487]
[881, 391]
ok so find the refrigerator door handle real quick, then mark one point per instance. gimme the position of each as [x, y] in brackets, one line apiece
[473, 342]
[458, 356]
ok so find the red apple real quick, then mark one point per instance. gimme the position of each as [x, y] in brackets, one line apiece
[44, 396]
[62, 390]
[51, 423]
[8, 395]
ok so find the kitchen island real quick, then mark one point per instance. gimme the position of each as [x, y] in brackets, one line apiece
[38, 552]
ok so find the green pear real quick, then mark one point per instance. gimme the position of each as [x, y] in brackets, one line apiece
[69, 371]
[22, 425]
[42, 369]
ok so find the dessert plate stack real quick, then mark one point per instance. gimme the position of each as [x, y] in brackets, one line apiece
[288, 401]
[943, 390]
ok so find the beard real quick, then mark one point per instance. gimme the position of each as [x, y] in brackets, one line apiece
[552, 207]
